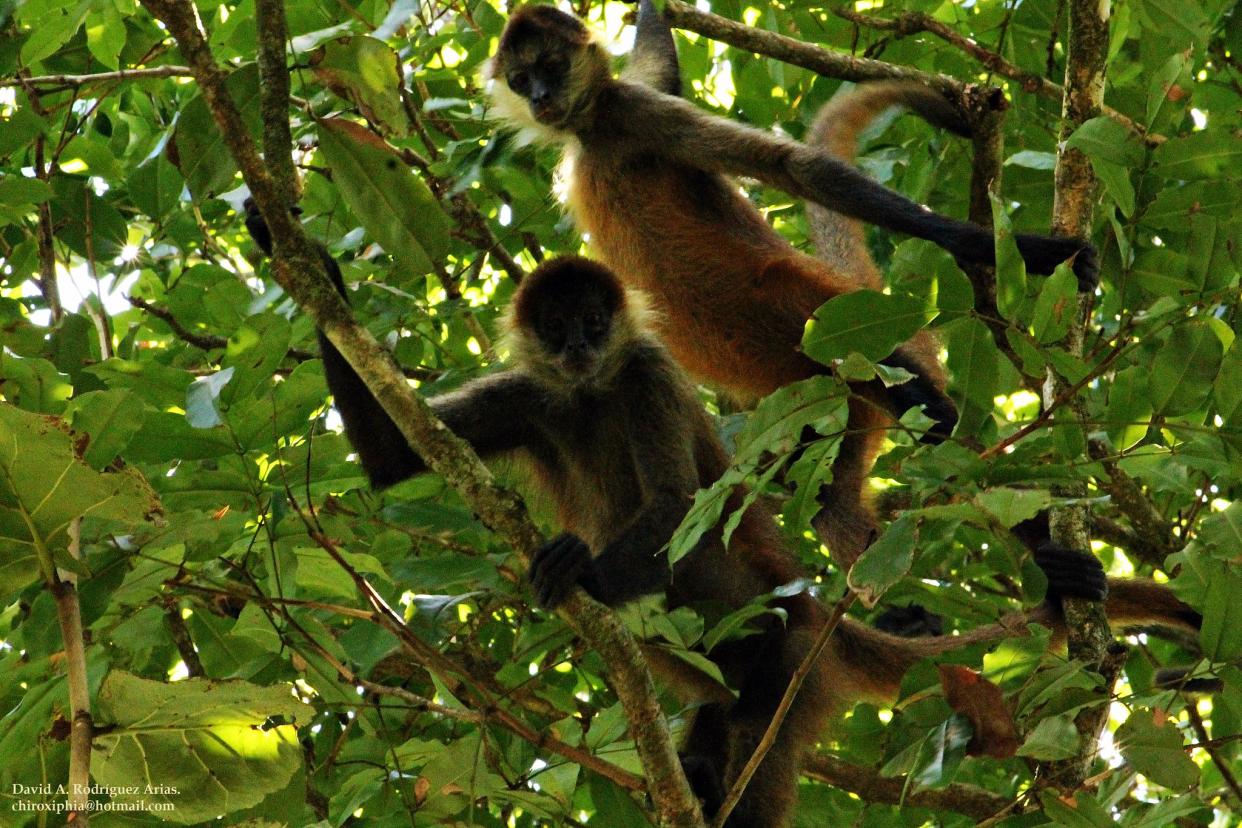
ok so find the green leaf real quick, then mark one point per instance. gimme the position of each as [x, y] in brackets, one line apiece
[1010, 266]
[1156, 751]
[1032, 160]
[201, 396]
[1199, 155]
[1012, 506]
[1129, 407]
[1185, 367]
[1056, 307]
[974, 362]
[1104, 139]
[1227, 390]
[75, 207]
[1221, 634]
[155, 187]
[54, 30]
[220, 745]
[1053, 738]
[110, 419]
[394, 205]
[885, 562]
[203, 159]
[44, 484]
[367, 73]
[870, 323]
[105, 34]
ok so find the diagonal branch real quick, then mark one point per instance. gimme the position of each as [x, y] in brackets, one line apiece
[798, 53]
[869, 785]
[298, 270]
[1090, 638]
[908, 23]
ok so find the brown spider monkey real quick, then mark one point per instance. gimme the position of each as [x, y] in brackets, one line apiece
[613, 431]
[647, 182]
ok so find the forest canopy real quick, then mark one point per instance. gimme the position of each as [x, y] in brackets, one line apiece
[209, 616]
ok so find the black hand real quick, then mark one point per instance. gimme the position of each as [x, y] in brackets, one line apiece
[1042, 254]
[1071, 573]
[705, 782]
[558, 566]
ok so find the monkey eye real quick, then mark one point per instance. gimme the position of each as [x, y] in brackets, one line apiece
[554, 330]
[519, 82]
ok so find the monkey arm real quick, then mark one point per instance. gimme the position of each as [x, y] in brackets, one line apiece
[643, 120]
[662, 450]
[494, 414]
[653, 60]
[660, 419]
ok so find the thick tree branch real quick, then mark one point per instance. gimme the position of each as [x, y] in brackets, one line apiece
[298, 270]
[274, 96]
[1089, 635]
[867, 784]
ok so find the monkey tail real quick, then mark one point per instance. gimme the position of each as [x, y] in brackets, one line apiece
[839, 241]
[872, 662]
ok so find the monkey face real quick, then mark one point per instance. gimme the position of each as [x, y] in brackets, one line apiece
[565, 316]
[575, 339]
[546, 65]
[542, 82]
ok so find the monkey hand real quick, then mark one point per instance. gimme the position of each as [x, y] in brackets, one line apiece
[705, 782]
[1071, 573]
[1042, 254]
[560, 565]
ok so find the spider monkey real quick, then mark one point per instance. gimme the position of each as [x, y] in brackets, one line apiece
[647, 182]
[613, 431]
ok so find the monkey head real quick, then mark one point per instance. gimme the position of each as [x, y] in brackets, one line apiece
[569, 323]
[546, 70]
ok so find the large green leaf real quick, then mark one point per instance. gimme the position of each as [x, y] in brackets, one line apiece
[1156, 751]
[367, 73]
[211, 747]
[1183, 370]
[393, 204]
[45, 484]
[201, 154]
[863, 321]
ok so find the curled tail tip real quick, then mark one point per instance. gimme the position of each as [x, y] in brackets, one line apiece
[840, 121]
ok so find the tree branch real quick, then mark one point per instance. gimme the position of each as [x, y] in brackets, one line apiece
[1090, 638]
[798, 53]
[274, 96]
[867, 784]
[99, 77]
[297, 268]
[908, 23]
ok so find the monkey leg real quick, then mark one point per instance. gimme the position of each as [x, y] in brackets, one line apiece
[705, 755]
[772, 792]
[844, 522]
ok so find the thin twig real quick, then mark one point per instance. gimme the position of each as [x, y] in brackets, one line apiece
[1222, 764]
[100, 77]
[782, 710]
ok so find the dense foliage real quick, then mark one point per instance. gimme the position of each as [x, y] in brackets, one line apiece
[166, 438]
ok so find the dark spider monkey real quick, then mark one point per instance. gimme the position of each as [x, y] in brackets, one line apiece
[612, 430]
[646, 181]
